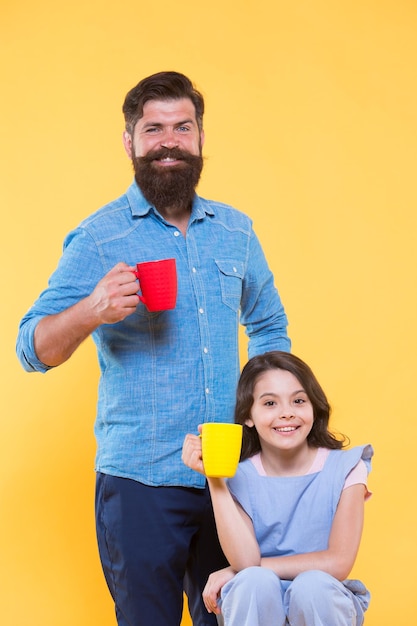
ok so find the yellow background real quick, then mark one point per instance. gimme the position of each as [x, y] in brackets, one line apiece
[311, 130]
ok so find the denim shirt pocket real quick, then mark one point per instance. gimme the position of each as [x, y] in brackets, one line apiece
[231, 274]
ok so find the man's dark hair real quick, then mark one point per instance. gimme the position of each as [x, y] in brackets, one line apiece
[161, 86]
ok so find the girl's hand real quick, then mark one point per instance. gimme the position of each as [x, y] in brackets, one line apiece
[192, 452]
[211, 591]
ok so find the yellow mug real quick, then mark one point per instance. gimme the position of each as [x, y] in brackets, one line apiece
[221, 446]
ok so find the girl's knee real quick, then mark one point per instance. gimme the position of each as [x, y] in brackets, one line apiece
[257, 577]
[252, 597]
[314, 584]
[318, 595]
[253, 580]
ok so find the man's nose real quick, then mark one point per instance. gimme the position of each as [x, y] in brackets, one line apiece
[169, 139]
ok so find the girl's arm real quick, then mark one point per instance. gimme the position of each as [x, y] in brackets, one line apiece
[343, 546]
[234, 527]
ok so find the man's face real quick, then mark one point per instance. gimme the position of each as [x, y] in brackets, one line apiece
[166, 152]
[167, 123]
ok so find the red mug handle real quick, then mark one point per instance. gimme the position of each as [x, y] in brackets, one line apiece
[141, 298]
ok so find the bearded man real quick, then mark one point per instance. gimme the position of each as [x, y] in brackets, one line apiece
[162, 373]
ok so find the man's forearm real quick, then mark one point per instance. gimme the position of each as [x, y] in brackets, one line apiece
[58, 336]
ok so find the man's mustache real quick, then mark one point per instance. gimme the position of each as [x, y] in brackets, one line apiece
[171, 153]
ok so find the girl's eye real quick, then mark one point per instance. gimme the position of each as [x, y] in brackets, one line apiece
[299, 401]
[269, 403]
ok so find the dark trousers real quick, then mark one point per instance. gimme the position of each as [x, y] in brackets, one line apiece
[155, 543]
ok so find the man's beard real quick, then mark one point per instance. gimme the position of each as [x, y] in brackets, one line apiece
[168, 187]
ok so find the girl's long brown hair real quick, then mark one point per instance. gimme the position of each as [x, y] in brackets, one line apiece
[319, 436]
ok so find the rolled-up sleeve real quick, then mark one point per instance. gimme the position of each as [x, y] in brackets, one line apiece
[25, 348]
[78, 272]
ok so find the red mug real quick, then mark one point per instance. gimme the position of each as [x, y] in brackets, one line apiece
[158, 284]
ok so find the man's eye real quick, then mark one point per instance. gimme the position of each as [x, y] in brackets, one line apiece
[183, 129]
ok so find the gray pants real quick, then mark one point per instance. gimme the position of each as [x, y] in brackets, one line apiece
[257, 597]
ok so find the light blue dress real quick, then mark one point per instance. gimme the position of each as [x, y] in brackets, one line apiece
[294, 515]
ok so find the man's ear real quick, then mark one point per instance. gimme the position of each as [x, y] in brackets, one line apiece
[127, 142]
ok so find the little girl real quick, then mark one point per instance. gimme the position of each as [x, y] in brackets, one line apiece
[290, 520]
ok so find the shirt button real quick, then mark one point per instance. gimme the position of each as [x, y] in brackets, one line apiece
[194, 270]
[176, 233]
[235, 269]
[205, 350]
[200, 310]
[207, 390]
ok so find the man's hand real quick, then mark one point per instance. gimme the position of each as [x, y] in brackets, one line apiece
[114, 296]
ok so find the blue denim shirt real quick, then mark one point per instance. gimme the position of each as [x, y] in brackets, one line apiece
[164, 373]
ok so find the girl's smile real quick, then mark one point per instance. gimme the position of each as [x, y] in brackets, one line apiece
[286, 429]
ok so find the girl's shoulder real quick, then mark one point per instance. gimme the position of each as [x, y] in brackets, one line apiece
[350, 457]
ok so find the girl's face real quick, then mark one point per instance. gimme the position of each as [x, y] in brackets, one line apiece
[281, 412]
